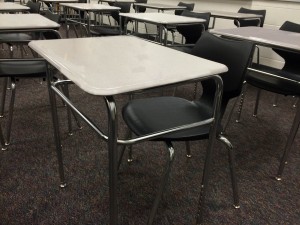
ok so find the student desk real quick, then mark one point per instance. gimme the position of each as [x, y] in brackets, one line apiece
[230, 16]
[143, 65]
[10, 7]
[160, 7]
[162, 21]
[23, 22]
[289, 41]
[88, 8]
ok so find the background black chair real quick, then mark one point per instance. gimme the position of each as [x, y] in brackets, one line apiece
[17, 68]
[9, 38]
[285, 81]
[251, 22]
[112, 30]
[188, 7]
[192, 33]
[146, 116]
[141, 9]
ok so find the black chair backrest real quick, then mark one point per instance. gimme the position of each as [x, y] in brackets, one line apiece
[9, 0]
[193, 32]
[291, 58]
[125, 8]
[55, 18]
[141, 9]
[236, 55]
[251, 22]
[34, 7]
[188, 7]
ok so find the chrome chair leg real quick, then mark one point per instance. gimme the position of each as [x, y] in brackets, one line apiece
[236, 201]
[163, 183]
[256, 102]
[295, 103]
[243, 94]
[3, 96]
[128, 136]
[229, 116]
[289, 143]
[130, 158]
[188, 149]
[11, 110]
[275, 100]
[2, 140]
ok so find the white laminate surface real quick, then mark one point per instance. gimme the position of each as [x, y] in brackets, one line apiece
[12, 7]
[90, 7]
[263, 36]
[25, 21]
[120, 64]
[162, 18]
[159, 6]
[233, 15]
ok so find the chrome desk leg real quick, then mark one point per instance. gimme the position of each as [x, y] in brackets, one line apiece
[5, 81]
[56, 128]
[113, 159]
[289, 143]
[11, 110]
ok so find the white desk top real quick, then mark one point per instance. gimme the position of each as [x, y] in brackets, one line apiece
[90, 7]
[263, 36]
[120, 64]
[25, 21]
[233, 15]
[12, 7]
[162, 18]
[159, 6]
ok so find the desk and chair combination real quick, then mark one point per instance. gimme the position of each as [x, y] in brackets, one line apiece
[221, 64]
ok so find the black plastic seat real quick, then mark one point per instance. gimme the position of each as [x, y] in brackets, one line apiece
[285, 81]
[251, 22]
[151, 115]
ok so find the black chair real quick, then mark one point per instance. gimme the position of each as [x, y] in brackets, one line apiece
[16, 69]
[8, 38]
[285, 81]
[192, 33]
[177, 12]
[251, 22]
[188, 7]
[141, 9]
[151, 115]
[112, 30]
[55, 18]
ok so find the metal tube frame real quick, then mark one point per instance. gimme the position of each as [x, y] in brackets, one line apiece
[113, 141]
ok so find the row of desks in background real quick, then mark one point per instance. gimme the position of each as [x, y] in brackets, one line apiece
[159, 19]
[94, 71]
